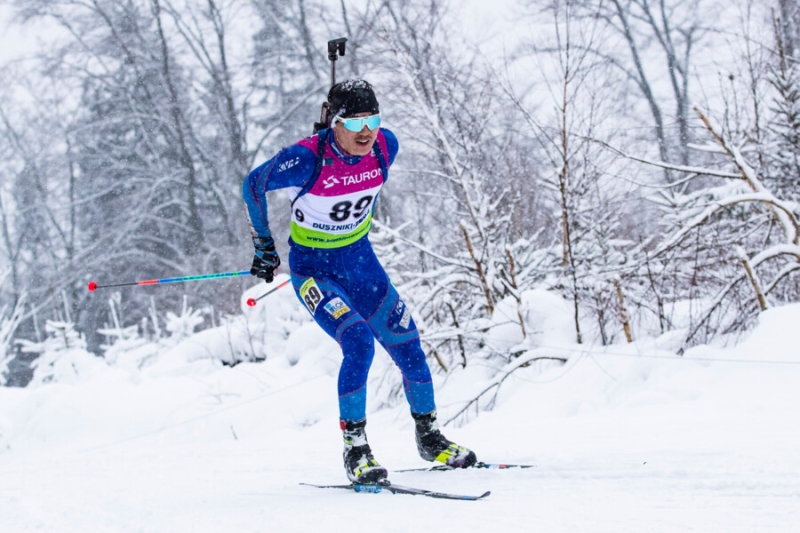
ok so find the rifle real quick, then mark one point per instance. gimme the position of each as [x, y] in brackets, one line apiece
[336, 48]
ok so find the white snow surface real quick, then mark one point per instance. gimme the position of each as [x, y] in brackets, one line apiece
[624, 437]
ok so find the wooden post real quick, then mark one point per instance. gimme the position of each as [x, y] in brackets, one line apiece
[762, 300]
[623, 312]
[486, 292]
[517, 296]
[439, 359]
[459, 336]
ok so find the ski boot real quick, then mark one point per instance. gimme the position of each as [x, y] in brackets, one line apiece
[360, 465]
[433, 446]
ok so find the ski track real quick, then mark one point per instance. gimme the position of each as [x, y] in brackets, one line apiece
[595, 472]
[226, 488]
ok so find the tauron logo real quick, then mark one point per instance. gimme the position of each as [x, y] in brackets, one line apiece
[351, 180]
[330, 182]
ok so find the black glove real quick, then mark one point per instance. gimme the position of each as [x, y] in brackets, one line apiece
[266, 260]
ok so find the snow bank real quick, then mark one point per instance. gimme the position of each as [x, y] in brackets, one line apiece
[704, 441]
[141, 386]
[777, 337]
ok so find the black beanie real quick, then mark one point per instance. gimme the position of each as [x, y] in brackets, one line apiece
[351, 97]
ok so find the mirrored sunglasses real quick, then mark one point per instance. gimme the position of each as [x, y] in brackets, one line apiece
[357, 124]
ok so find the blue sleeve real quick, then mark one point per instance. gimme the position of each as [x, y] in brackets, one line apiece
[291, 167]
[392, 145]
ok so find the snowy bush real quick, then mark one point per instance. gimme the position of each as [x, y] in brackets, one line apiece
[183, 326]
[125, 345]
[62, 356]
[256, 334]
[261, 331]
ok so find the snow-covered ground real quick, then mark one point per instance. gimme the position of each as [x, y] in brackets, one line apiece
[624, 438]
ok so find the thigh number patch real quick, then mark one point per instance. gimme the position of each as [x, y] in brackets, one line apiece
[311, 295]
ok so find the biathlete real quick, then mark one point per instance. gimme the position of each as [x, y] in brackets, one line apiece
[335, 178]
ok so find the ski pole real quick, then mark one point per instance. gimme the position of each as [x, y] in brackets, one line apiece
[93, 284]
[252, 301]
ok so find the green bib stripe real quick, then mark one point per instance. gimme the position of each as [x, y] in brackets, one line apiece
[322, 239]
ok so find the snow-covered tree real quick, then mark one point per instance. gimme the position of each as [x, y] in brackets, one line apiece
[9, 321]
[62, 356]
[784, 76]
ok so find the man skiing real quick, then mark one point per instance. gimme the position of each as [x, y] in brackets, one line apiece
[335, 178]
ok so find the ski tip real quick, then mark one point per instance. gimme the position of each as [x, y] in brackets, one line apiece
[500, 466]
[92, 286]
[485, 494]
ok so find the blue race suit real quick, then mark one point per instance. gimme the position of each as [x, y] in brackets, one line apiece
[337, 276]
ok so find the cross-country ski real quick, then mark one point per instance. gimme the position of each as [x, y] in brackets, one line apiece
[479, 465]
[400, 489]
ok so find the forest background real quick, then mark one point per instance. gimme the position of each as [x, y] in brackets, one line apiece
[640, 158]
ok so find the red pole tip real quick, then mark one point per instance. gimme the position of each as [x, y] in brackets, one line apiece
[92, 286]
[251, 302]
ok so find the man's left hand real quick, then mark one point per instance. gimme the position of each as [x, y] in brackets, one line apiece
[266, 260]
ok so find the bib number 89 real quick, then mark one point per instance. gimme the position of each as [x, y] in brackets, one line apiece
[310, 294]
[312, 299]
[341, 211]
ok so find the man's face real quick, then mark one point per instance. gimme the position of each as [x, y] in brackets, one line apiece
[355, 143]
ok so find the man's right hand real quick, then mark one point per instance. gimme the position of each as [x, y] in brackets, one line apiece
[265, 260]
